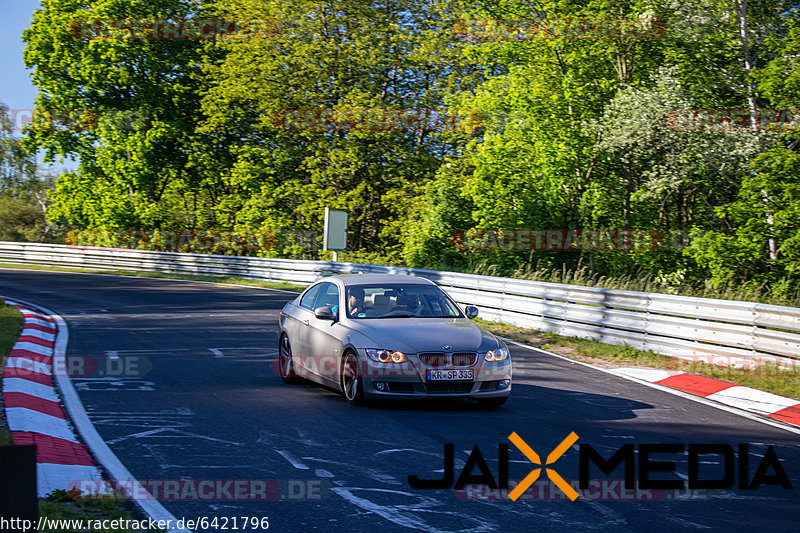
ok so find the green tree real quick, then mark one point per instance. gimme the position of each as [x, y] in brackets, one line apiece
[16, 164]
[536, 164]
[277, 147]
[24, 190]
[761, 238]
[131, 106]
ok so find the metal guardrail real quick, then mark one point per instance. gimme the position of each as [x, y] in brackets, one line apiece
[671, 325]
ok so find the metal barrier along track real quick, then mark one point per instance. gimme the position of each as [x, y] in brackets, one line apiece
[671, 325]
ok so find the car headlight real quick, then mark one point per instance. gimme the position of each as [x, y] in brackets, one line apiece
[386, 356]
[499, 354]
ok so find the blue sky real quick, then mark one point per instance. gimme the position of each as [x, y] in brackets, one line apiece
[16, 89]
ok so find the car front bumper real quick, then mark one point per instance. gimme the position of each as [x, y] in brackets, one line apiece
[408, 381]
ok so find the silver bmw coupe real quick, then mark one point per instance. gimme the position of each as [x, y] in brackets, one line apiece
[375, 336]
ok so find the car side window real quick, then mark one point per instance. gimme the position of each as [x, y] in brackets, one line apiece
[328, 296]
[308, 298]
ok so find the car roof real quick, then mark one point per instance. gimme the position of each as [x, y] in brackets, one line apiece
[377, 279]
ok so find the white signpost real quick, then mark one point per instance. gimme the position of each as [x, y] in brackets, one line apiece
[335, 235]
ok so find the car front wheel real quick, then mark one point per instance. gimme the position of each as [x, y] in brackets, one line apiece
[352, 384]
[285, 361]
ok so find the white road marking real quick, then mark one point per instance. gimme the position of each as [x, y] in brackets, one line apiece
[610, 517]
[406, 515]
[112, 354]
[176, 434]
[294, 461]
[105, 384]
[685, 523]
[394, 450]
[226, 352]
[153, 352]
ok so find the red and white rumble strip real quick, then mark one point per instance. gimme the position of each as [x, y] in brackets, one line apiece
[756, 401]
[34, 411]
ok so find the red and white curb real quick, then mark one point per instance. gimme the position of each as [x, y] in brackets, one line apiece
[756, 401]
[42, 419]
[34, 411]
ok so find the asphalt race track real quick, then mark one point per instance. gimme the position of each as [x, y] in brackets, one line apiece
[178, 381]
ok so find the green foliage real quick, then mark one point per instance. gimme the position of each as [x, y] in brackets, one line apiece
[568, 127]
[24, 191]
[15, 162]
[20, 220]
[272, 170]
[144, 98]
[10, 328]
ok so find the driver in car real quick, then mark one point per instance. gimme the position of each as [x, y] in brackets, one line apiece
[355, 302]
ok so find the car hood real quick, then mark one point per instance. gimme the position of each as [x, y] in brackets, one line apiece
[413, 335]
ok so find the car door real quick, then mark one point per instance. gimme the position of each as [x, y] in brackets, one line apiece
[299, 329]
[325, 342]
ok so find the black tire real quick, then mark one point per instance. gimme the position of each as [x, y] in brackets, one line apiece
[351, 382]
[492, 402]
[285, 361]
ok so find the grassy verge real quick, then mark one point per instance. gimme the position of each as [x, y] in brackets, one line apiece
[68, 505]
[769, 378]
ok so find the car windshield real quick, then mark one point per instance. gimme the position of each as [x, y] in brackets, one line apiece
[399, 301]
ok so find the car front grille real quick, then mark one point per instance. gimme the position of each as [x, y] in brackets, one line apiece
[400, 386]
[434, 359]
[464, 358]
[448, 387]
[441, 360]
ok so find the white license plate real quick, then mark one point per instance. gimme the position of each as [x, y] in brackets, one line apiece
[450, 375]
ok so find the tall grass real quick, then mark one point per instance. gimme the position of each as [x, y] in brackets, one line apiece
[10, 328]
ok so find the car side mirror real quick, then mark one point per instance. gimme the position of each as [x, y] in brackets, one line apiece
[324, 313]
[471, 311]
